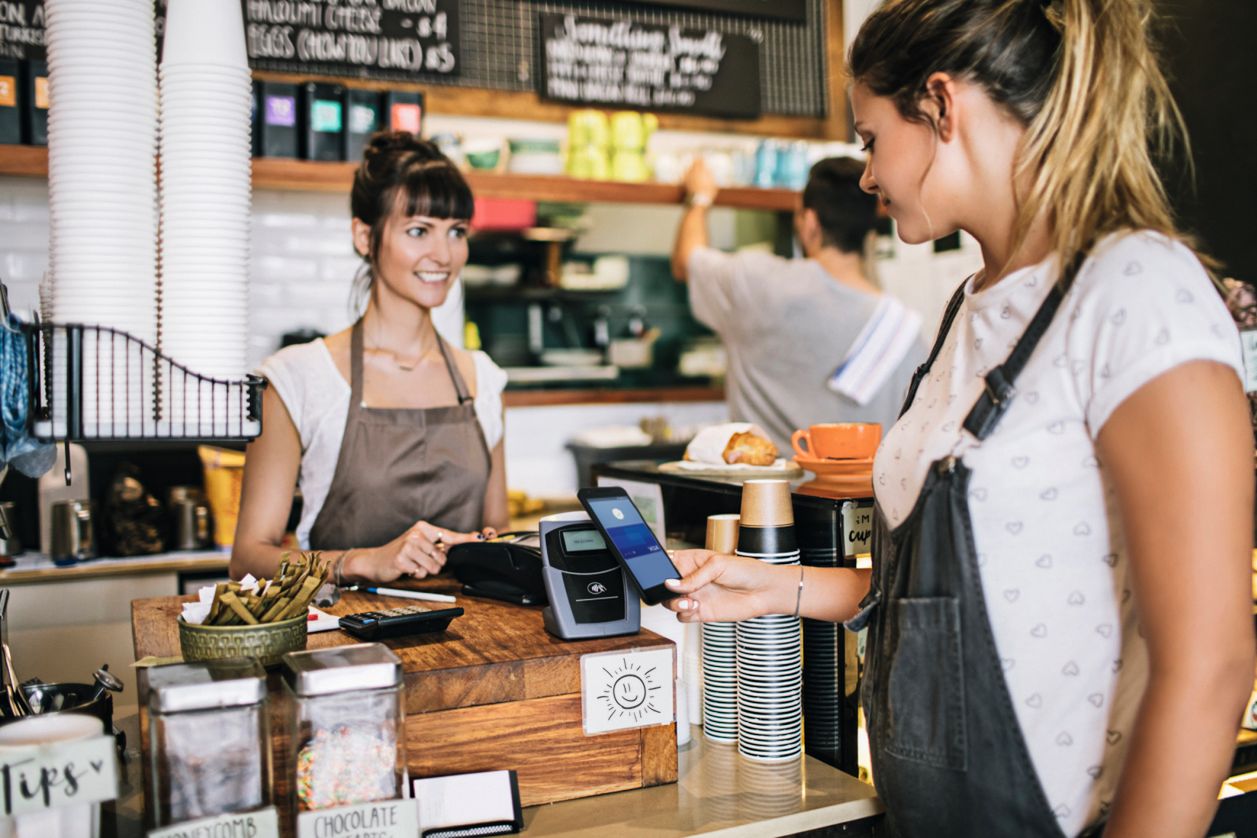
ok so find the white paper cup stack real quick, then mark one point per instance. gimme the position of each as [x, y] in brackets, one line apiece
[720, 675]
[769, 648]
[102, 133]
[206, 98]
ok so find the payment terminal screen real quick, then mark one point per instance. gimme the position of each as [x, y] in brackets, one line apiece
[634, 540]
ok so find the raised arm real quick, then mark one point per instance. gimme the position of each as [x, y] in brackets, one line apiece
[700, 191]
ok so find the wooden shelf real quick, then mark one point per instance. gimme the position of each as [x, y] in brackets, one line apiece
[276, 173]
[24, 160]
[311, 176]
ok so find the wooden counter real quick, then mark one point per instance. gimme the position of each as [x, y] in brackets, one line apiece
[718, 793]
[493, 691]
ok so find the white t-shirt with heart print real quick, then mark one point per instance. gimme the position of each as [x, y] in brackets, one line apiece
[1049, 542]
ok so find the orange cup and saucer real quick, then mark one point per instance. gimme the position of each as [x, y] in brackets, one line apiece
[839, 454]
[837, 441]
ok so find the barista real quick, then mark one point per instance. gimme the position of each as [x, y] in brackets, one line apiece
[393, 436]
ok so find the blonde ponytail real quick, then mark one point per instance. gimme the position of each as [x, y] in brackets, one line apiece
[1090, 151]
[1081, 75]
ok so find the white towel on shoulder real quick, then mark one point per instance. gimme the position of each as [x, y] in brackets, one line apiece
[876, 352]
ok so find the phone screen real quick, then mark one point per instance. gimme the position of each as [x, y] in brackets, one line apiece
[633, 540]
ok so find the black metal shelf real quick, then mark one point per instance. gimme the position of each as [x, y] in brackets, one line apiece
[92, 383]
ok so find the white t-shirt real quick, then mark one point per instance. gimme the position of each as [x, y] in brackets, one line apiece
[317, 398]
[1050, 548]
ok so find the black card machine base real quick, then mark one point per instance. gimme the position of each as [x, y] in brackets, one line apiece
[507, 568]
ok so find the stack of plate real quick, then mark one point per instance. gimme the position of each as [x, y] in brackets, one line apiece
[720, 682]
[102, 133]
[205, 191]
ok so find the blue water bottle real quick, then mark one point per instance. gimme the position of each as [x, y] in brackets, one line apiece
[792, 166]
[766, 164]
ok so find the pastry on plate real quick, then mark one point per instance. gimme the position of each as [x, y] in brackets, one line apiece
[732, 443]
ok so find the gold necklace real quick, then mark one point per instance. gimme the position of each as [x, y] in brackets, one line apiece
[393, 356]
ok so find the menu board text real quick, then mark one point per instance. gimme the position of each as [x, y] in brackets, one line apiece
[621, 62]
[368, 38]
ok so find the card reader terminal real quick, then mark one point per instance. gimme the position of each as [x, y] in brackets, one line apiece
[589, 594]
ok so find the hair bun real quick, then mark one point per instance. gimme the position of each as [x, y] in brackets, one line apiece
[387, 142]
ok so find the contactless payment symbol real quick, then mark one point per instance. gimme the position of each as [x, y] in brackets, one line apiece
[615, 511]
[621, 690]
[596, 588]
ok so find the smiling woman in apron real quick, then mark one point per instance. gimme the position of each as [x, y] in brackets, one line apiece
[393, 435]
[1060, 636]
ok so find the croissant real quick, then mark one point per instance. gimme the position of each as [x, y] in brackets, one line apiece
[750, 449]
[733, 442]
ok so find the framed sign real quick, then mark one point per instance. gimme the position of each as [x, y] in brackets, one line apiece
[622, 63]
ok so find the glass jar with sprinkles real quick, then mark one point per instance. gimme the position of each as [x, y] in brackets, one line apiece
[346, 743]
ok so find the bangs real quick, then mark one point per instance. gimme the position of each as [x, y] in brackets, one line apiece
[436, 189]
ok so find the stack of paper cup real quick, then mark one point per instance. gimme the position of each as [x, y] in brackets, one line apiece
[205, 198]
[102, 193]
[720, 676]
[769, 648]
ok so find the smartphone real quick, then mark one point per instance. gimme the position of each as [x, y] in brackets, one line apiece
[631, 541]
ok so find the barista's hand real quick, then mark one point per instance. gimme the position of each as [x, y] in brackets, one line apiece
[699, 180]
[721, 588]
[418, 552]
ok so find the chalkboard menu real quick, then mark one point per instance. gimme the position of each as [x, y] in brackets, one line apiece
[22, 29]
[622, 63]
[379, 39]
[795, 10]
[495, 44]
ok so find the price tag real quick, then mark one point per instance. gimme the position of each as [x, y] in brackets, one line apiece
[857, 529]
[264, 823]
[1248, 345]
[622, 690]
[381, 819]
[46, 777]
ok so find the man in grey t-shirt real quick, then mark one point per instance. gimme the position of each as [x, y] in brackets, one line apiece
[808, 340]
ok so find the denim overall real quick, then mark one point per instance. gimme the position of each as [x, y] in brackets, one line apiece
[949, 758]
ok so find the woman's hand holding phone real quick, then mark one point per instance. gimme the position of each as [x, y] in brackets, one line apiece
[720, 588]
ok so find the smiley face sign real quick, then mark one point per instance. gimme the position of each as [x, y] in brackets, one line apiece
[621, 690]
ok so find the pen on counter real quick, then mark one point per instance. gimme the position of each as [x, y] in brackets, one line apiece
[398, 592]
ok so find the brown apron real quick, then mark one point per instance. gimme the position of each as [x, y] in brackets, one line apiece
[401, 465]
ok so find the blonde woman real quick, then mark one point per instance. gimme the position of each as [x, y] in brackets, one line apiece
[1060, 631]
